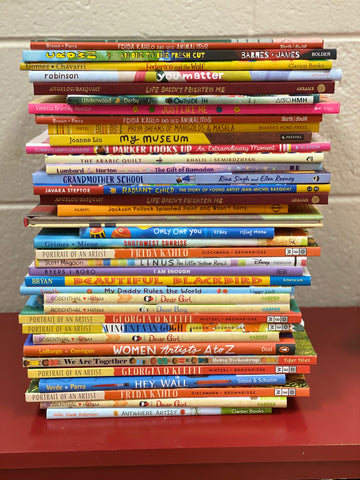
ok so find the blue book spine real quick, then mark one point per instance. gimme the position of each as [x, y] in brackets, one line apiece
[39, 290]
[42, 178]
[177, 232]
[168, 381]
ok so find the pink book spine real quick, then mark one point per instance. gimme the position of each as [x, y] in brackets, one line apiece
[63, 108]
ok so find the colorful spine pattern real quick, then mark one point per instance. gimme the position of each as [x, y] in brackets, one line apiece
[174, 56]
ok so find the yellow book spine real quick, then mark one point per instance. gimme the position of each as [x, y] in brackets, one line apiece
[234, 65]
[130, 139]
[168, 337]
[135, 210]
[165, 308]
[111, 129]
[324, 187]
[111, 328]
[42, 319]
[194, 299]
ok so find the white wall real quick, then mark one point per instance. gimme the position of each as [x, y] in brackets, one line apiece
[335, 274]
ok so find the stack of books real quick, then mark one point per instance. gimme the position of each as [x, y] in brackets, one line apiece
[179, 190]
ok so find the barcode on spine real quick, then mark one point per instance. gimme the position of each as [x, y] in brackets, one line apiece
[285, 392]
[286, 369]
[295, 251]
[277, 319]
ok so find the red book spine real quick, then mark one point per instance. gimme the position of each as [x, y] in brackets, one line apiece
[230, 88]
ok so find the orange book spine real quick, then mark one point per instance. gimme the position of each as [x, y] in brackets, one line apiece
[283, 346]
[90, 210]
[258, 391]
[172, 318]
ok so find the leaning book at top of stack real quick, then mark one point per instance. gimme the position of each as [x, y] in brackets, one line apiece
[180, 183]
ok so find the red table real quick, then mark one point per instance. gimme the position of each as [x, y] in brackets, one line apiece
[316, 437]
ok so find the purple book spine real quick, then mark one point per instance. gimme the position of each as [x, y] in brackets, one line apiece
[99, 271]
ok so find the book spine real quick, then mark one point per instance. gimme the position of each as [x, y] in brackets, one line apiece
[235, 402]
[166, 280]
[180, 190]
[159, 371]
[162, 290]
[182, 65]
[164, 394]
[134, 149]
[104, 271]
[157, 337]
[185, 76]
[194, 88]
[172, 262]
[139, 308]
[41, 178]
[264, 59]
[37, 316]
[181, 139]
[59, 242]
[63, 413]
[292, 364]
[173, 119]
[159, 318]
[228, 199]
[213, 138]
[175, 365]
[182, 159]
[164, 349]
[189, 99]
[151, 327]
[42, 251]
[136, 210]
[168, 381]
[174, 232]
[179, 168]
[175, 128]
[329, 106]
[195, 299]
[233, 44]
